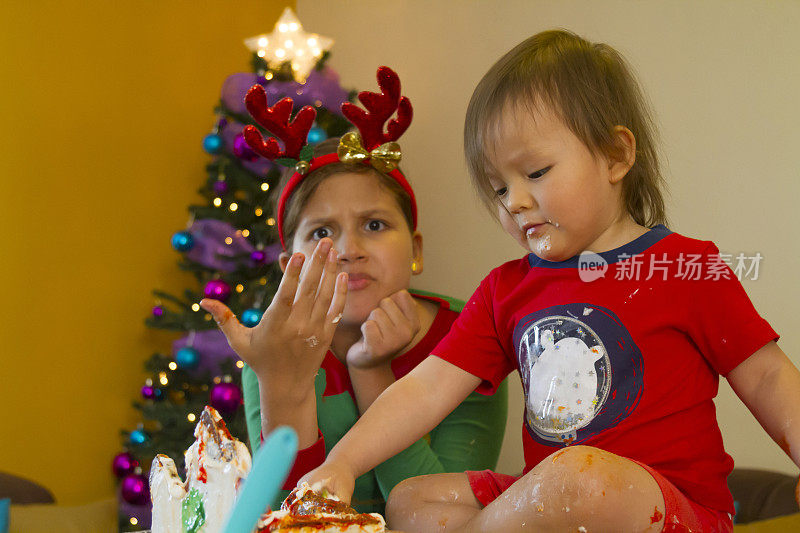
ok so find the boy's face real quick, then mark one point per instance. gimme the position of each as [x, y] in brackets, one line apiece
[369, 232]
[555, 197]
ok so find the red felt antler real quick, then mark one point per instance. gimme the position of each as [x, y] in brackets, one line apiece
[380, 106]
[275, 119]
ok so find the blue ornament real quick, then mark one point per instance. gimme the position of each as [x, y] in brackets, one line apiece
[138, 437]
[187, 358]
[316, 135]
[183, 241]
[212, 143]
[251, 317]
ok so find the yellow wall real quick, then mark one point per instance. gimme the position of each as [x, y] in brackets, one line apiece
[104, 105]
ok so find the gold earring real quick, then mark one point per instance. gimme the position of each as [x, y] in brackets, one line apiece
[414, 267]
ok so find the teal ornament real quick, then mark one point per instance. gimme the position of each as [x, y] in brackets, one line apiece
[251, 317]
[183, 241]
[316, 135]
[138, 437]
[187, 358]
[212, 143]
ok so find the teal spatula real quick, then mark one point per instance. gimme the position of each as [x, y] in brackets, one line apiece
[271, 465]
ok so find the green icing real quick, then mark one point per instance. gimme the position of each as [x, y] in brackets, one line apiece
[193, 514]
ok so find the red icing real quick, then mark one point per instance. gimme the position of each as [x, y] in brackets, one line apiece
[657, 516]
[202, 475]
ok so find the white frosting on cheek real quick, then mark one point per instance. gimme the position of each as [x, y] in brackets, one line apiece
[543, 245]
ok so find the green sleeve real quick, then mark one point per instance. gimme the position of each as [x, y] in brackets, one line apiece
[468, 439]
[252, 407]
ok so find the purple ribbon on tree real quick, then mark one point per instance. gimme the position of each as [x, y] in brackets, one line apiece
[213, 348]
[211, 251]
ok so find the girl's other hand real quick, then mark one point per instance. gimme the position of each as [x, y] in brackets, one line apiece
[389, 328]
[288, 345]
[334, 477]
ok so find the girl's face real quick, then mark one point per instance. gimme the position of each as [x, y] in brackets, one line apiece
[555, 197]
[369, 232]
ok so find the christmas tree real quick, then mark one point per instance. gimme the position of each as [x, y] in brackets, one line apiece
[230, 245]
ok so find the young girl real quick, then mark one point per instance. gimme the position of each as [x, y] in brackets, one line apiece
[619, 361]
[342, 330]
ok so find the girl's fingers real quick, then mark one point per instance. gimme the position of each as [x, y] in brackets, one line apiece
[309, 282]
[233, 330]
[327, 286]
[394, 314]
[337, 304]
[284, 297]
[375, 328]
[406, 304]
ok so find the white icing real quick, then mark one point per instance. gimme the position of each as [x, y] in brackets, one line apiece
[166, 490]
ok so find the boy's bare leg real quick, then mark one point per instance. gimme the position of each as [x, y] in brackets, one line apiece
[577, 487]
[436, 502]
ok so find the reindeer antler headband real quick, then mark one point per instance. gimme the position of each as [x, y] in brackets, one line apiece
[373, 146]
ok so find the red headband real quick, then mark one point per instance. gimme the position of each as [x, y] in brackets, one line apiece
[377, 148]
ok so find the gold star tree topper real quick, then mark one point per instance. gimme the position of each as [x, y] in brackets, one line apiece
[288, 42]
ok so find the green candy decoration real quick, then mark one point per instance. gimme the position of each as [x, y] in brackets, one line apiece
[193, 514]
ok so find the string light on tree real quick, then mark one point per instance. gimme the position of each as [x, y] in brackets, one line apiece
[288, 42]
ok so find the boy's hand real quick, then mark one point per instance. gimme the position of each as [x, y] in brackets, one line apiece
[334, 477]
[287, 346]
[389, 328]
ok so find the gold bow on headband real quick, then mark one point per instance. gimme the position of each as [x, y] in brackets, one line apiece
[384, 158]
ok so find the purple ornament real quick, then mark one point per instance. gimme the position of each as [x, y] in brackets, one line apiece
[158, 311]
[142, 513]
[258, 257]
[242, 150]
[213, 348]
[218, 290]
[148, 392]
[123, 464]
[225, 398]
[135, 489]
[260, 165]
[220, 187]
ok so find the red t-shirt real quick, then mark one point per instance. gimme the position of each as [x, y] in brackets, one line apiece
[628, 362]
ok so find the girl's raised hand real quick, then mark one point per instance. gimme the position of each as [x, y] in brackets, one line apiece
[389, 328]
[288, 345]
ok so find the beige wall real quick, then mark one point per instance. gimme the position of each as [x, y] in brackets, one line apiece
[724, 81]
[104, 108]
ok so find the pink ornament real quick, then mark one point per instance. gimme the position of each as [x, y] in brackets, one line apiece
[135, 489]
[123, 464]
[218, 290]
[225, 398]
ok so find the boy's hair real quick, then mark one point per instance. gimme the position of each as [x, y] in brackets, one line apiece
[303, 192]
[591, 87]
